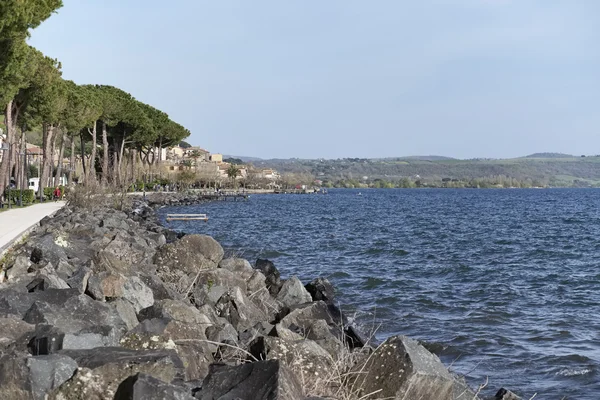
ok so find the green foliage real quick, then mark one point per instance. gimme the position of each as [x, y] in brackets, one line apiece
[184, 145]
[32, 171]
[17, 17]
[49, 191]
[233, 171]
[15, 195]
[235, 161]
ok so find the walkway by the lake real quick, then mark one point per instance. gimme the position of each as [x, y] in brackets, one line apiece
[14, 223]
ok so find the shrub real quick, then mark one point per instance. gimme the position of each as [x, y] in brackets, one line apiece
[49, 191]
[15, 195]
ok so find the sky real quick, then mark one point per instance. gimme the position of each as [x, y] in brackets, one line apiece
[347, 78]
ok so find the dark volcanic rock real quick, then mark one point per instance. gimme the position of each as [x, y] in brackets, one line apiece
[102, 370]
[12, 329]
[15, 303]
[321, 289]
[179, 262]
[49, 372]
[24, 377]
[272, 275]
[146, 387]
[292, 293]
[74, 314]
[263, 380]
[405, 370]
[504, 394]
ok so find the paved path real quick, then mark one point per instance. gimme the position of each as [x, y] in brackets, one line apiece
[14, 223]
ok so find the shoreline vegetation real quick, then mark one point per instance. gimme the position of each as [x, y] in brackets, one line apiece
[103, 302]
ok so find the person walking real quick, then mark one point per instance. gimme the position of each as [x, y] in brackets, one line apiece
[57, 194]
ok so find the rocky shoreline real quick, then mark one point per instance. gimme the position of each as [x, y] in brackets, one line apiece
[107, 304]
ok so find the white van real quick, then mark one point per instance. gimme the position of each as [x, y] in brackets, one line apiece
[34, 183]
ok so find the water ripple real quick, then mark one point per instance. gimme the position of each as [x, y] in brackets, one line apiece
[499, 283]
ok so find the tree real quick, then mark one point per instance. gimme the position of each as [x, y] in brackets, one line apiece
[17, 17]
[232, 173]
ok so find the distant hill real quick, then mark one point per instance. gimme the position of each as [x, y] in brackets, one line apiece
[243, 158]
[549, 155]
[427, 158]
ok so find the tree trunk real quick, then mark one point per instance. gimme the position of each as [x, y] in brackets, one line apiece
[121, 151]
[92, 166]
[4, 166]
[133, 158]
[105, 156]
[61, 152]
[24, 176]
[51, 161]
[71, 161]
[86, 173]
[47, 138]
[115, 174]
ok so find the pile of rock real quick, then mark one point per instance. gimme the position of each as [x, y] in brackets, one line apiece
[111, 305]
[157, 199]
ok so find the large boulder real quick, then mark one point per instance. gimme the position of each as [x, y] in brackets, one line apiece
[263, 380]
[19, 267]
[239, 266]
[12, 329]
[145, 387]
[48, 373]
[238, 309]
[19, 303]
[25, 377]
[402, 369]
[50, 247]
[321, 289]
[305, 358]
[113, 285]
[293, 293]
[47, 339]
[188, 339]
[271, 273]
[504, 394]
[74, 314]
[102, 370]
[179, 263]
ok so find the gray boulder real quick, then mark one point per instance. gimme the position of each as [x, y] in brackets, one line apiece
[188, 339]
[293, 293]
[48, 373]
[238, 309]
[79, 279]
[271, 273]
[83, 312]
[504, 394]
[145, 387]
[239, 266]
[12, 329]
[102, 370]
[20, 267]
[304, 357]
[402, 369]
[321, 289]
[263, 380]
[18, 303]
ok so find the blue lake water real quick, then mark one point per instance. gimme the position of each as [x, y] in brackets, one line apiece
[502, 284]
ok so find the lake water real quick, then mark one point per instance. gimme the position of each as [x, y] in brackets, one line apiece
[499, 283]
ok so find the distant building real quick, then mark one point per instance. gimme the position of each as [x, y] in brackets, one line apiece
[218, 158]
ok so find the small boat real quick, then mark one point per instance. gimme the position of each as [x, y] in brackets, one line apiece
[359, 194]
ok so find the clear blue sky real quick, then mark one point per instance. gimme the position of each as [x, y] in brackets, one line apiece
[345, 78]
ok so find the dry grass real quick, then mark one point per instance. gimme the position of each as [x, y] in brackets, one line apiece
[93, 195]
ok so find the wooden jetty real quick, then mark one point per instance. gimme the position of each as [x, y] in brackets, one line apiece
[187, 217]
[223, 196]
